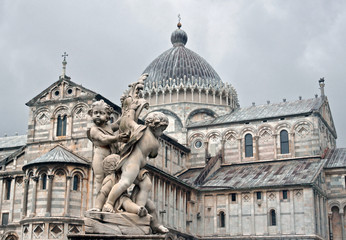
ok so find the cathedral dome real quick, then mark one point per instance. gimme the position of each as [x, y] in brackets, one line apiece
[183, 71]
[180, 65]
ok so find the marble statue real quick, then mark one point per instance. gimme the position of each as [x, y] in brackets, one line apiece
[104, 138]
[120, 153]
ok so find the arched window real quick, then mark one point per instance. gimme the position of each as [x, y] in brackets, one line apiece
[284, 144]
[76, 183]
[61, 125]
[272, 218]
[8, 182]
[44, 181]
[221, 219]
[248, 145]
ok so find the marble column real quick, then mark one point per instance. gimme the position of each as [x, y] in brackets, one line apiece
[49, 196]
[206, 151]
[256, 148]
[275, 136]
[34, 196]
[68, 193]
[240, 149]
[1, 193]
[291, 144]
[13, 184]
[223, 141]
[25, 197]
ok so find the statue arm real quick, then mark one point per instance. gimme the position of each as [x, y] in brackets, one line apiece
[99, 136]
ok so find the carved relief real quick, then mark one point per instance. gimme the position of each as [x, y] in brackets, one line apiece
[230, 137]
[80, 113]
[43, 117]
[38, 230]
[298, 193]
[302, 131]
[271, 196]
[246, 197]
[26, 232]
[74, 229]
[56, 230]
[265, 135]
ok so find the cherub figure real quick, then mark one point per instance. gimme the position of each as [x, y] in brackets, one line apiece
[103, 137]
[131, 165]
[124, 202]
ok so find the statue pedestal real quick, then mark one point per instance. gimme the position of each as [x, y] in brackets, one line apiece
[116, 223]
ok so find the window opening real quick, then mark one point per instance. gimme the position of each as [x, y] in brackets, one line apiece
[272, 218]
[284, 194]
[234, 197]
[221, 219]
[75, 183]
[8, 189]
[61, 125]
[284, 144]
[44, 181]
[4, 220]
[259, 195]
[248, 145]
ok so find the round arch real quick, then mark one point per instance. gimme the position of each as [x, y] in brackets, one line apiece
[205, 111]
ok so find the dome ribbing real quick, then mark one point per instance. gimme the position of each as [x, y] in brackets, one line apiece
[181, 63]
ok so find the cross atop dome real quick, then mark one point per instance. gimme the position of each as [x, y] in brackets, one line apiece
[179, 24]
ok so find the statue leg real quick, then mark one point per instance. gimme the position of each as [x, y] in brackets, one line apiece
[98, 172]
[97, 166]
[128, 176]
[132, 207]
[144, 188]
[154, 224]
[102, 195]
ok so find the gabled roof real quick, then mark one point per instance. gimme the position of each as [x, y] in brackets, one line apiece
[336, 158]
[260, 174]
[54, 85]
[274, 110]
[12, 141]
[58, 154]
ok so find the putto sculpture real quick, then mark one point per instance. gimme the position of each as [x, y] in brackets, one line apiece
[120, 153]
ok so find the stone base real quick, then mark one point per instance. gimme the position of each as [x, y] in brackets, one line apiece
[114, 237]
[116, 223]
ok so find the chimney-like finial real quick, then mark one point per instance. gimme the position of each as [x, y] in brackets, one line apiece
[321, 82]
[64, 63]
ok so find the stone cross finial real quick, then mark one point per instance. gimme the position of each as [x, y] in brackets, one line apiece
[64, 64]
[179, 24]
[321, 82]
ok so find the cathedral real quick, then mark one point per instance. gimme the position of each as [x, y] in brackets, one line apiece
[223, 171]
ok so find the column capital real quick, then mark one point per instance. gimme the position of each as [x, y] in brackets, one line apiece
[68, 177]
[50, 177]
[34, 178]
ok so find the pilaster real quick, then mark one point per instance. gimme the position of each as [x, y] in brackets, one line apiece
[68, 193]
[34, 196]
[49, 196]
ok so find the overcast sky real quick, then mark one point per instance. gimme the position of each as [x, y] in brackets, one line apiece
[268, 50]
